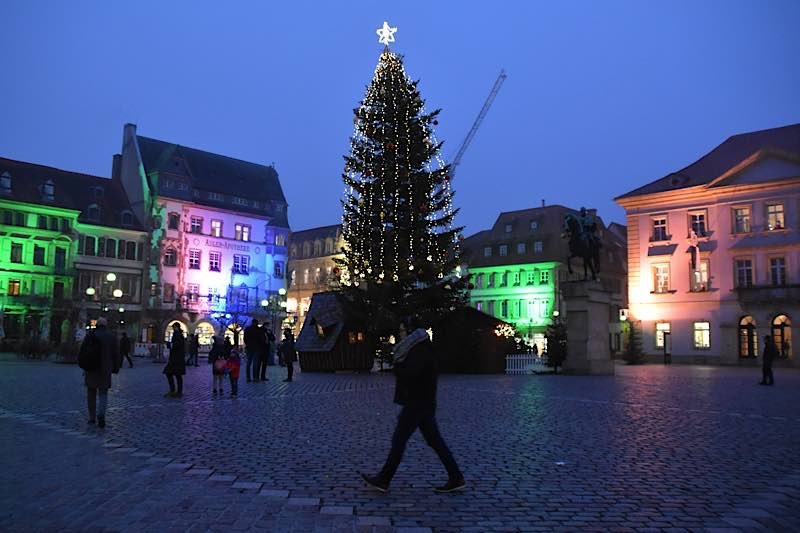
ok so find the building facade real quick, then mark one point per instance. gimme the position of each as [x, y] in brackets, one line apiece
[518, 265]
[714, 251]
[218, 231]
[311, 267]
[64, 232]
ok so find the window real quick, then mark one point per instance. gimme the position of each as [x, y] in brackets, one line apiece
[503, 250]
[697, 222]
[280, 240]
[774, 216]
[58, 290]
[504, 279]
[214, 261]
[544, 277]
[196, 224]
[661, 278]
[479, 306]
[20, 219]
[53, 224]
[744, 272]
[242, 232]
[306, 249]
[534, 225]
[13, 287]
[241, 264]
[305, 276]
[127, 218]
[38, 255]
[42, 222]
[170, 257]
[101, 247]
[5, 183]
[531, 277]
[216, 228]
[317, 248]
[661, 329]
[130, 251]
[193, 292]
[538, 247]
[194, 259]
[111, 248]
[748, 339]
[169, 292]
[64, 225]
[239, 200]
[504, 308]
[777, 270]
[16, 253]
[278, 269]
[479, 281]
[702, 335]
[60, 260]
[492, 279]
[216, 196]
[699, 277]
[509, 228]
[741, 220]
[521, 248]
[293, 251]
[487, 251]
[660, 228]
[517, 276]
[490, 307]
[93, 212]
[88, 245]
[328, 246]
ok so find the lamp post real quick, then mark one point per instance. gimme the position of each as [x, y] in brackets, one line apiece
[115, 294]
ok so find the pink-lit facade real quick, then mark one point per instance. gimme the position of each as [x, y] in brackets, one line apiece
[218, 233]
[714, 252]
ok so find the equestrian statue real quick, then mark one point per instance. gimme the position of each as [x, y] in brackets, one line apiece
[584, 242]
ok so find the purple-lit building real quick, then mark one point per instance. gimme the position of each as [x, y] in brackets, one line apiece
[218, 228]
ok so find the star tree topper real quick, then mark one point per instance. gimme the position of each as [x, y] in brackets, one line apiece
[386, 34]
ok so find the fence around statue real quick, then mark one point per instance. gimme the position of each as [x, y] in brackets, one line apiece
[525, 363]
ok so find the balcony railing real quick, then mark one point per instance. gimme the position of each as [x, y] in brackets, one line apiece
[768, 293]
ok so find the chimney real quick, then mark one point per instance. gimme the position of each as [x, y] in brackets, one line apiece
[116, 166]
[128, 133]
[542, 202]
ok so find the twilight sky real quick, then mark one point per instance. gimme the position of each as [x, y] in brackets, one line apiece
[601, 97]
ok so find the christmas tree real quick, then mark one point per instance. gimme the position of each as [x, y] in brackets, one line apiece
[401, 248]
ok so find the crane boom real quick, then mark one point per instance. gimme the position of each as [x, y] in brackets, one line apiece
[486, 105]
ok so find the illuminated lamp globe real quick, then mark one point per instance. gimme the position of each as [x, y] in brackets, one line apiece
[117, 293]
[111, 277]
[90, 291]
[282, 291]
[264, 302]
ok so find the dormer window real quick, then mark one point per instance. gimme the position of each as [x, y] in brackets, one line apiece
[93, 212]
[96, 191]
[48, 190]
[5, 183]
[127, 218]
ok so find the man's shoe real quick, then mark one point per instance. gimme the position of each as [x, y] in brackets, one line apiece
[101, 421]
[452, 485]
[375, 482]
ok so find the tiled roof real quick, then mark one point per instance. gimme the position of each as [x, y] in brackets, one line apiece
[72, 190]
[724, 157]
[218, 173]
[321, 232]
[326, 310]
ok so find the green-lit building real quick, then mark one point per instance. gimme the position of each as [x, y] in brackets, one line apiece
[517, 267]
[62, 232]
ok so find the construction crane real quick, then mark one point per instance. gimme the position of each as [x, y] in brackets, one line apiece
[486, 105]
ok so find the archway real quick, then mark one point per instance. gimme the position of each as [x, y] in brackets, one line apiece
[782, 335]
[168, 332]
[748, 338]
[204, 331]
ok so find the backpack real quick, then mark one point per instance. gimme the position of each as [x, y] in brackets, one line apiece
[90, 356]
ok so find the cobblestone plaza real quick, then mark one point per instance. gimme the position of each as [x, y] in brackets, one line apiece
[672, 448]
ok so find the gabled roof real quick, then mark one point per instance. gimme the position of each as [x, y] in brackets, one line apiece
[72, 190]
[724, 157]
[325, 310]
[216, 173]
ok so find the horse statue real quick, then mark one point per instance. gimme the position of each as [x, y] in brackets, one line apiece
[583, 243]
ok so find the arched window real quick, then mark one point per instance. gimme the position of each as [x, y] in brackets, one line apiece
[293, 251]
[127, 218]
[5, 183]
[306, 249]
[280, 239]
[204, 331]
[328, 246]
[748, 338]
[317, 248]
[170, 257]
[48, 190]
[782, 335]
[168, 332]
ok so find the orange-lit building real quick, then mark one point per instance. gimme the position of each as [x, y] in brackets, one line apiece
[714, 252]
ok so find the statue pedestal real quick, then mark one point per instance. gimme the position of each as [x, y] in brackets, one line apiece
[587, 307]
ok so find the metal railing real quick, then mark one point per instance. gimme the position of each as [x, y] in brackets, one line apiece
[525, 363]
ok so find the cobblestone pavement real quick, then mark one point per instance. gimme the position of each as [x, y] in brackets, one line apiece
[672, 448]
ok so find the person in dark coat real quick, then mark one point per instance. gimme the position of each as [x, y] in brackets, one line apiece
[770, 353]
[265, 339]
[125, 348]
[288, 353]
[252, 344]
[176, 365]
[99, 381]
[415, 389]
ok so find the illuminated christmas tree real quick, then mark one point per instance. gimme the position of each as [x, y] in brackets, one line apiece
[401, 253]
